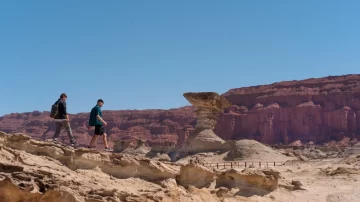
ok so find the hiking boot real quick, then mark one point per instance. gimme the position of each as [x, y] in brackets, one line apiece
[108, 149]
[56, 141]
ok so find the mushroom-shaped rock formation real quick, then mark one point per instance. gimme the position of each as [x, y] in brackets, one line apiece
[209, 105]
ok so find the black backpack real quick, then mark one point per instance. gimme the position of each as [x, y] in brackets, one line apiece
[54, 110]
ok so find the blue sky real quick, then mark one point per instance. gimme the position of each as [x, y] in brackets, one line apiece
[146, 54]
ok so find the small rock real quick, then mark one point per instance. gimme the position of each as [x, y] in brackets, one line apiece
[162, 157]
[297, 152]
[222, 192]
[168, 184]
[9, 168]
[289, 154]
[21, 176]
[41, 185]
[303, 158]
[297, 185]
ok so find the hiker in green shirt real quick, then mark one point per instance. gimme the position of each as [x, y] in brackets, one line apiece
[99, 123]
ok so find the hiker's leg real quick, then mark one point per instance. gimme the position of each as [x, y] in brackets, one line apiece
[93, 140]
[97, 132]
[57, 130]
[67, 127]
[105, 140]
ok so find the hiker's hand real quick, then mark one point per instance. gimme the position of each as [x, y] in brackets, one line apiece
[88, 127]
[105, 123]
[68, 120]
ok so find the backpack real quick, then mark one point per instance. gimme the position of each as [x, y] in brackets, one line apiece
[54, 110]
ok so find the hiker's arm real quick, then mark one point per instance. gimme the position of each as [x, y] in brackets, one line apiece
[100, 119]
[65, 112]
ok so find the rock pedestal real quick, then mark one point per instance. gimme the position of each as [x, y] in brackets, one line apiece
[209, 105]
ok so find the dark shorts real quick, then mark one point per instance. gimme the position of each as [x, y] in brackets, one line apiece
[99, 130]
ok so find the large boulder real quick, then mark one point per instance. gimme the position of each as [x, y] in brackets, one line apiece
[195, 175]
[249, 181]
[206, 141]
[251, 149]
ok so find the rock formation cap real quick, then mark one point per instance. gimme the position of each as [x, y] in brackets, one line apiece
[207, 99]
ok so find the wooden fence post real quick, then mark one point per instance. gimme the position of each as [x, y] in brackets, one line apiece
[274, 164]
[267, 164]
[217, 165]
[224, 165]
[231, 164]
[260, 164]
[245, 165]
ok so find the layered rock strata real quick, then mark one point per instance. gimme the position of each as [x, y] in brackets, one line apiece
[208, 107]
[317, 110]
[33, 170]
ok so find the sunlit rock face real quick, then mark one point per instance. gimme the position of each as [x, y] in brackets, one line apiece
[203, 139]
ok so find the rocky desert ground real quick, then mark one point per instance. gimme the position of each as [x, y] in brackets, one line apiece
[40, 171]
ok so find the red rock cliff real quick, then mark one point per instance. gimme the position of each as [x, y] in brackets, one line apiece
[316, 110]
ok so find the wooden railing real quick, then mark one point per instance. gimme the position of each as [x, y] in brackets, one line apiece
[239, 164]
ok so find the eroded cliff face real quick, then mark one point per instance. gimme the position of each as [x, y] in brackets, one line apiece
[317, 110]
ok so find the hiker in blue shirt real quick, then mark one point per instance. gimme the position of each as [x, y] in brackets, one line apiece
[99, 123]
